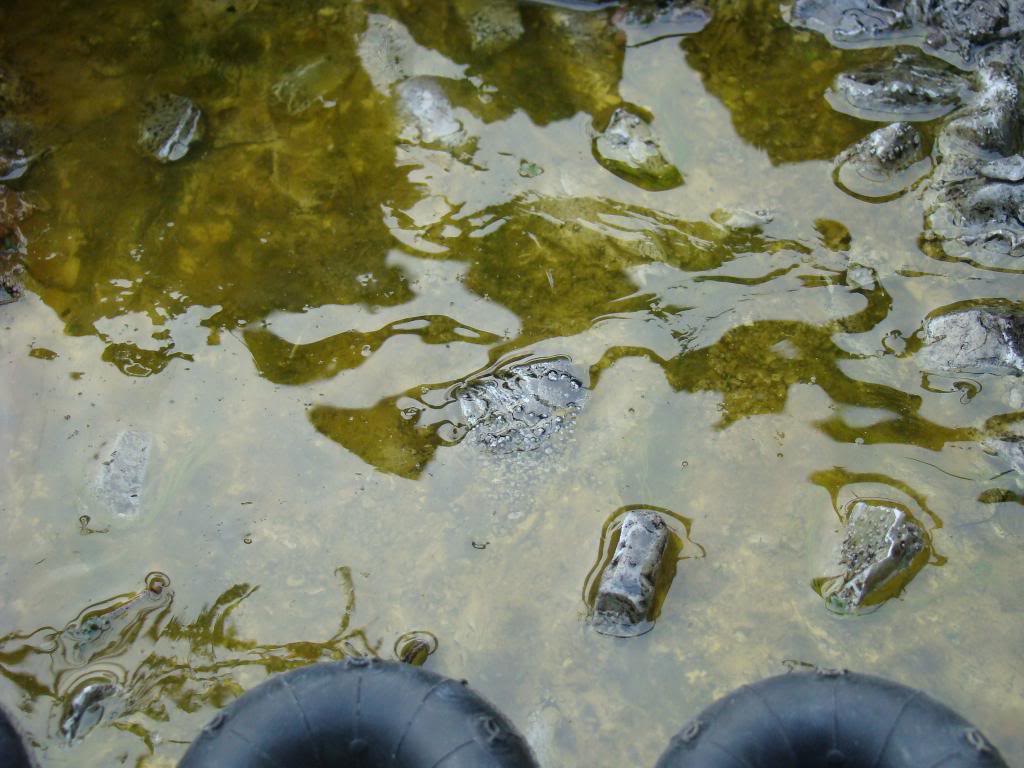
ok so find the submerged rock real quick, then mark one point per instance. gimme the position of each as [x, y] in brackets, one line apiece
[629, 149]
[169, 126]
[977, 340]
[428, 114]
[882, 163]
[521, 407]
[881, 551]
[87, 708]
[119, 482]
[907, 88]
[625, 596]
[492, 25]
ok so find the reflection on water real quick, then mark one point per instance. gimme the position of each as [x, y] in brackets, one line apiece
[338, 315]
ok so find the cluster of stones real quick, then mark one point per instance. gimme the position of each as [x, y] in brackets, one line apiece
[974, 200]
[973, 204]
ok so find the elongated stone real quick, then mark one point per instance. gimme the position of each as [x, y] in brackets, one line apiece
[625, 597]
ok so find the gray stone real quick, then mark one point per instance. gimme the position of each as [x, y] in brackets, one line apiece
[907, 88]
[878, 164]
[625, 597]
[1004, 169]
[629, 148]
[170, 125]
[119, 482]
[974, 340]
[520, 408]
[877, 557]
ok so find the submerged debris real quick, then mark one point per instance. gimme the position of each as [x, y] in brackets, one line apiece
[628, 148]
[625, 596]
[415, 647]
[881, 551]
[976, 340]
[169, 126]
[883, 163]
[521, 407]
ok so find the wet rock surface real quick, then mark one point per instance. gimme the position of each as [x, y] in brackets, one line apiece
[522, 407]
[170, 124]
[625, 595]
[629, 149]
[961, 31]
[976, 340]
[907, 88]
[975, 199]
[881, 551]
[882, 163]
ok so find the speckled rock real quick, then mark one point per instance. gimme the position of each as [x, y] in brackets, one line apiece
[881, 551]
[169, 126]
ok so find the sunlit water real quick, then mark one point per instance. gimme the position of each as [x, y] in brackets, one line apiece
[290, 311]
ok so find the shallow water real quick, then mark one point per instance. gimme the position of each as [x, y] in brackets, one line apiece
[290, 311]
